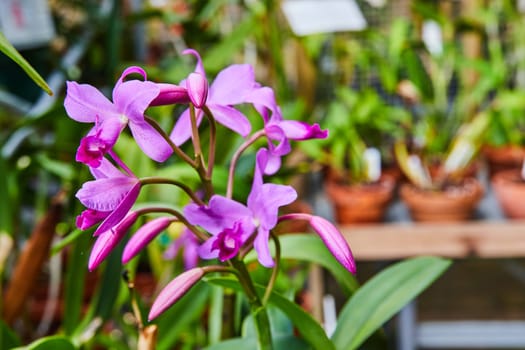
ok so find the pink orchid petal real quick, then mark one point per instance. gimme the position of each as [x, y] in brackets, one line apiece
[175, 290]
[129, 71]
[231, 118]
[132, 98]
[299, 131]
[150, 141]
[199, 67]
[182, 130]
[107, 193]
[220, 213]
[120, 211]
[206, 250]
[86, 104]
[262, 248]
[232, 84]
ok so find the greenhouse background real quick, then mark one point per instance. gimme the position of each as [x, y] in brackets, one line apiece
[266, 174]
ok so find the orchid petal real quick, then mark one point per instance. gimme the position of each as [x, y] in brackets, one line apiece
[299, 131]
[144, 236]
[220, 213]
[206, 250]
[262, 248]
[273, 165]
[199, 67]
[231, 118]
[85, 104]
[278, 144]
[89, 218]
[334, 241]
[263, 99]
[109, 239]
[150, 141]
[133, 97]
[175, 290]
[182, 130]
[232, 84]
[128, 71]
[106, 194]
[106, 169]
[120, 211]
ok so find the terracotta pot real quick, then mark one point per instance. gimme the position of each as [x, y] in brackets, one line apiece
[509, 189]
[504, 157]
[455, 203]
[363, 203]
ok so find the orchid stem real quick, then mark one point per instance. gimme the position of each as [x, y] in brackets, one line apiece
[120, 163]
[173, 146]
[166, 181]
[275, 271]
[213, 134]
[235, 159]
[258, 311]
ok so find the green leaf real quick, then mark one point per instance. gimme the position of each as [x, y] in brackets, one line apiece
[306, 325]
[12, 53]
[8, 338]
[54, 342]
[312, 249]
[286, 342]
[383, 296]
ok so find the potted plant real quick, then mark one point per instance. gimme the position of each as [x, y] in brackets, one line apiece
[363, 128]
[503, 72]
[509, 188]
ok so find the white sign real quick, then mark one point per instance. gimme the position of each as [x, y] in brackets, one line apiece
[26, 23]
[308, 17]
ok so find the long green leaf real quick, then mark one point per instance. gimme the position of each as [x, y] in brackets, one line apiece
[309, 247]
[383, 296]
[54, 342]
[286, 342]
[306, 325]
[12, 53]
[8, 338]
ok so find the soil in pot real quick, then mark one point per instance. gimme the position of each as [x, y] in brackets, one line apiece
[456, 202]
[509, 189]
[360, 203]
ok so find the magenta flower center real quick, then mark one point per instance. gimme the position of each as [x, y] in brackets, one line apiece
[228, 242]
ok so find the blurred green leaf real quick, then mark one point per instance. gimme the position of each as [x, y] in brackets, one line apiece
[55, 342]
[383, 296]
[12, 53]
[306, 325]
[8, 338]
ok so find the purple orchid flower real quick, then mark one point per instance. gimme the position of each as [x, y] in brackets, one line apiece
[232, 86]
[231, 223]
[187, 243]
[112, 192]
[84, 103]
[90, 217]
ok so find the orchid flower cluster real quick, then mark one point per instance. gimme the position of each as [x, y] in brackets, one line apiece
[224, 228]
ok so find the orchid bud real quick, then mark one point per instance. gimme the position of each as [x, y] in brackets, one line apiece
[109, 239]
[334, 241]
[143, 236]
[175, 290]
[170, 94]
[197, 86]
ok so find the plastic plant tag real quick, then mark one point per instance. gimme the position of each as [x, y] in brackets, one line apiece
[459, 157]
[26, 23]
[418, 172]
[432, 37]
[372, 158]
[308, 17]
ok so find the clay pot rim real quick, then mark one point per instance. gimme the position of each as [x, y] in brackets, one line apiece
[508, 176]
[410, 193]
